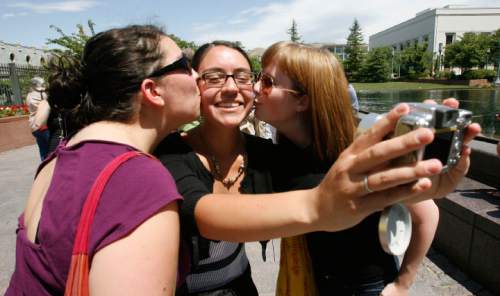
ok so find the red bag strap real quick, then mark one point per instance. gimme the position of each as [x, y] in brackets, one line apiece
[80, 245]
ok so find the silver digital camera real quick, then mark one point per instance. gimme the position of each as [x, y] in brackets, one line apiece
[448, 124]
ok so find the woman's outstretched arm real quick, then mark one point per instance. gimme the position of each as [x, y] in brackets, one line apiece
[339, 202]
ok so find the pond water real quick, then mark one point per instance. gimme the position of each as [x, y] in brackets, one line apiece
[484, 103]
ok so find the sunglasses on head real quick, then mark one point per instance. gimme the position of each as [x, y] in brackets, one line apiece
[181, 64]
[267, 84]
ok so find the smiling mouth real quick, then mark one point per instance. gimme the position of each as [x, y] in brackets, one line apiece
[228, 105]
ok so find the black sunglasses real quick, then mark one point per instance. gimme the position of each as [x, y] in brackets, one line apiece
[180, 64]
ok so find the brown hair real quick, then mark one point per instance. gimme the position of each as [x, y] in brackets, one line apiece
[318, 74]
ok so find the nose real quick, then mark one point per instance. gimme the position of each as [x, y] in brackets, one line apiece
[194, 74]
[230, 84]
[256, 87]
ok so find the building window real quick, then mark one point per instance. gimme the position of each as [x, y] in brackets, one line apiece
[450, 38]
[42, 61]
[28, 59]
[12, 57]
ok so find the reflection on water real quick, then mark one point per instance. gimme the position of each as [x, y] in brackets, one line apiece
[484, 103]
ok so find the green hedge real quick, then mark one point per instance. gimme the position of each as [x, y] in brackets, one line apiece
[479, 74]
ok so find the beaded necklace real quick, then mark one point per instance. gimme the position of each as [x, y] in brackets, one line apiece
[227, 182]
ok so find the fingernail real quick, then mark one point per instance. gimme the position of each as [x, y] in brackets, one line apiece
[435, 166]
[422, 136]
[400, 108]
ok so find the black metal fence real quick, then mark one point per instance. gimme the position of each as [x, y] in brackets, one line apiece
[15, 82]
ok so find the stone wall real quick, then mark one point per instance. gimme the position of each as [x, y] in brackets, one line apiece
[15, 133]
[469, 225]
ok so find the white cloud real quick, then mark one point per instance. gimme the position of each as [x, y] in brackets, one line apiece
[317, 20]
[61, 6]
[11, 15]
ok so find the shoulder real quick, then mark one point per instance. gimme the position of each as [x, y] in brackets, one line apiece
[143, 173]
[172, 144]
[259, 146]
[177, 156]
[261, 152]
[257, 142]
[137, 190]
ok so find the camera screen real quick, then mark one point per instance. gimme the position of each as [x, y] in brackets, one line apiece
[440, 147]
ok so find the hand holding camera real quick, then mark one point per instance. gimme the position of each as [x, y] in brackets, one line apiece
[449, 126]
[364, 178]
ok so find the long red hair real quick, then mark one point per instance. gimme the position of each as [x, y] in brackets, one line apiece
[318, 74]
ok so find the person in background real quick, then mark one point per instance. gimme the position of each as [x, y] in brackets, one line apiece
[38, 118]
[354, 97]
[132, 87]
[303, 93]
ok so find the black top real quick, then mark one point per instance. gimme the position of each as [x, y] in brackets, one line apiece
[194, 181]
[349, 257]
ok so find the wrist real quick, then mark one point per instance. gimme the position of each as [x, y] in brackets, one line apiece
[311, 206]
[403, 283]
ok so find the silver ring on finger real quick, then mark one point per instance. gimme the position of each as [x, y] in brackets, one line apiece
[365, 185]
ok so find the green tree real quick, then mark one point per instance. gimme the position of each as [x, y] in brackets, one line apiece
[470, 51]
[256, 65]
[74, 43]
[183, 43]
[355, 52]
[494, 47]
[377, 65]
[415, 61]
[294, 32]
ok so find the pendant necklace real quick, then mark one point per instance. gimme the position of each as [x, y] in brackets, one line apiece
[228, 182]
[217, 174]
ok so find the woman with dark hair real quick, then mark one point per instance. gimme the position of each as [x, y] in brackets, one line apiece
[131, 88]
[223, 175]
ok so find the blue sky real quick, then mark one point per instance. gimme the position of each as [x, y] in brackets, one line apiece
[256, 23]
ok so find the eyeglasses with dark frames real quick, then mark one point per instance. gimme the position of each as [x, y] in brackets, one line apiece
[181, 64]
[267, 84]
[216, 78]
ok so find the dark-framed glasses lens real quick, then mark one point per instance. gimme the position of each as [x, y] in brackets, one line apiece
[214, 78]
[244, 77]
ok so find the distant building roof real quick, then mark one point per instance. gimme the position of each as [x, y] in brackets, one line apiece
[256, 52]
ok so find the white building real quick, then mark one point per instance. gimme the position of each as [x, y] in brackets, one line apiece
[438, 27]
[22, 55]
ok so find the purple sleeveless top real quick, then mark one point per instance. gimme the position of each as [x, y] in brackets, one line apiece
[138, 189]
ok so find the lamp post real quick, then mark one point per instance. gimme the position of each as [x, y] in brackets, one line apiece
[497, 81]
[392, 64]
[487, 56]
[439, 57]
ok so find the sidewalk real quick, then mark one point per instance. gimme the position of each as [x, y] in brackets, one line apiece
[436, 276]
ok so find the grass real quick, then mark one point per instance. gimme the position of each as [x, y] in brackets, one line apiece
[406, 86]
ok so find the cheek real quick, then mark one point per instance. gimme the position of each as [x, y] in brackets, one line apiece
[248, 97]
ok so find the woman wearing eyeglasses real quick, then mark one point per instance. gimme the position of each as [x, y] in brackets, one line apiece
[216, 157]
[214, 163]
[303, 93]
[132, 87]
